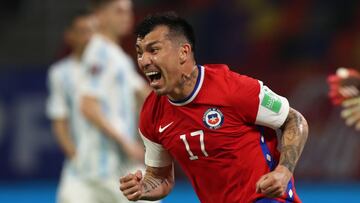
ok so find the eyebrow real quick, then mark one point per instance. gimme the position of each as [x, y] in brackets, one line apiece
[149, 44]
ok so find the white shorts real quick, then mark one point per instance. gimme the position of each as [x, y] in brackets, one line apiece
[73, 189]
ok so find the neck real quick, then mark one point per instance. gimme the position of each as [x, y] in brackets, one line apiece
[110, 36]
[186, 85]
[77, 54]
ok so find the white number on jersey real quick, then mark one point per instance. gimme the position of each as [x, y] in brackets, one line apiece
[202, 144]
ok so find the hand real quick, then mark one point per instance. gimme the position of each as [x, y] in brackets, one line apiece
[343, 85]
[131, 186]
[274, 184]
[351, 112]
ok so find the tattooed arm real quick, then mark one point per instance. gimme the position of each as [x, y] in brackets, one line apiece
[295, 132]
[156, 184]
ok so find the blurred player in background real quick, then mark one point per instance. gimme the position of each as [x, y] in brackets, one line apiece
[112, 92]
[64, 80]
[112, 87]
[95, 102]
[344, 87]
[219, 125]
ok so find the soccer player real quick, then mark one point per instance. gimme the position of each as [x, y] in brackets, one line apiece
[111, 92]
[112, 87]
[217, 124]
[64, 78]
[94, 99]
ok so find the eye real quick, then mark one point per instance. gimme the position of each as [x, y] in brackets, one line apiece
[154, 50]
[139, 54]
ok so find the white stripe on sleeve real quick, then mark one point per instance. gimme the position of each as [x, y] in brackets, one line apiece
[273, 109]
[155, 154]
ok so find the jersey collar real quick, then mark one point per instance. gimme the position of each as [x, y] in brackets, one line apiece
[194, 93]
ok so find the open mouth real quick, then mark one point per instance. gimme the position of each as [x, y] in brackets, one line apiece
[153, 76]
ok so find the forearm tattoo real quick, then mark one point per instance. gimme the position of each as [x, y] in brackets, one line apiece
[295, 131]
[151, 183]
[157, 182]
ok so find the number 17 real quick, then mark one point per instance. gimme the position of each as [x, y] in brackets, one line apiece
[187, 146]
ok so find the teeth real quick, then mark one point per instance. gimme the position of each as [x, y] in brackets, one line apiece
[151, 73]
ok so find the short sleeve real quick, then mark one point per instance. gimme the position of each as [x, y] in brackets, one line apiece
[244, 94]
[94, 77]
[94, 60]
[273, 109]
[155, 154]
[256, 103]
[56, 102]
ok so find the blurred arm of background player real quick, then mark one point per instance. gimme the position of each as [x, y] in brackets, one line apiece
[344, 89]
[61, 130]
[91, 108]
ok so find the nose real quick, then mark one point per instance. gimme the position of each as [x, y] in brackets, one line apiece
[145, 60]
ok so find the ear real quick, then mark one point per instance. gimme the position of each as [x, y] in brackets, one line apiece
[185, 52]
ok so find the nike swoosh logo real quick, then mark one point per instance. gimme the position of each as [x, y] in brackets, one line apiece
[164, 128]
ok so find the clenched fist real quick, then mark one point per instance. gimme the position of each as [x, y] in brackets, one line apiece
[131, 186]
[274, 184]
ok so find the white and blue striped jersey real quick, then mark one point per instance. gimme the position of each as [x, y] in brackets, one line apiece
[107, 73]
[110, 76]
[64, 83]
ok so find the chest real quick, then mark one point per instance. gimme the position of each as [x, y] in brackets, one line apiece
[202, 132]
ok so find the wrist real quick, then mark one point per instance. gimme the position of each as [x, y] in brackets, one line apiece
[283, 169]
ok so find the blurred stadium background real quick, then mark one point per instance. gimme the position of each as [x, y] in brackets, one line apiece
[290, 45]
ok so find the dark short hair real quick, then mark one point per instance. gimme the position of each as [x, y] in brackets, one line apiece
[83, 12]
[177, 26]
[95, 4]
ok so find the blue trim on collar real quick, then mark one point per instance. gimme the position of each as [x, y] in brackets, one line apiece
[180, 102]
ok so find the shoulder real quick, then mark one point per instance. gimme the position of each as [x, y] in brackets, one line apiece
[222, 71]
[60, 66]
[214, 69]
[216, 75]
[96, 41]
[96, 57]
[240, 92]
[95, 49]
[221, 75]
[62, 63]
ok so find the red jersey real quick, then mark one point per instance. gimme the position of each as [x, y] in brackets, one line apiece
[215, 134]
